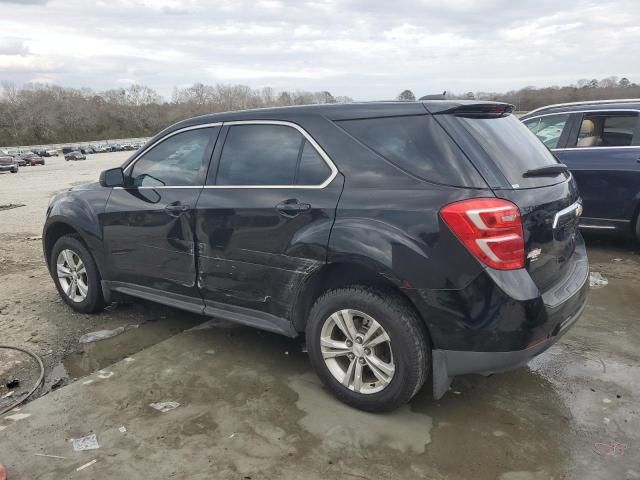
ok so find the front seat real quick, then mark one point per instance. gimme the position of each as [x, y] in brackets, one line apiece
[587, 136]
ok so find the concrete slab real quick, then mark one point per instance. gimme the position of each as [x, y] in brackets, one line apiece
[250, 407]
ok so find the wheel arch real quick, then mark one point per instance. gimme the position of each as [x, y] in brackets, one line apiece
[344, 273]
[58, 228]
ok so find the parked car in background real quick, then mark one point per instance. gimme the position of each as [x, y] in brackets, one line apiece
[100, 149]
[406, 240]
[20, 160]
[600, 143]
[75, 155]
[33, 159]
[116, 147]
[69, 149]
[8, 164]
[50, 153]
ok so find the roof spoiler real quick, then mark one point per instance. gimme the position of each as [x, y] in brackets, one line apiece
[435, 96]
[479, 110]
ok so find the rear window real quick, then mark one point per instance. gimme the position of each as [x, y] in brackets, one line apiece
[417, 145]
[513, 148]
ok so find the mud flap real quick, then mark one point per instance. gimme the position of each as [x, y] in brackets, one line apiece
[441, 378]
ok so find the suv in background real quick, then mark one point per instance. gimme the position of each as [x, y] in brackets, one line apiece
[406, 240]
[600, 143]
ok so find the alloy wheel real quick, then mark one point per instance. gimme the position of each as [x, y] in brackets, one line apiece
[72, 275]
[357, 351]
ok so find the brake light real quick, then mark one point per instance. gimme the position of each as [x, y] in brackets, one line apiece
[490, 228]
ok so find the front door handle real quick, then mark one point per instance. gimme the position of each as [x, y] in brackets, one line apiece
[176, 210]
[291, 208]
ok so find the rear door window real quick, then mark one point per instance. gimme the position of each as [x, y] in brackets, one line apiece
[606, 129]
[417, 145]
[270, 155]
[548, 128]
[513, 148]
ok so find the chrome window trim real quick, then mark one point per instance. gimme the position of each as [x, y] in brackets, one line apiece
[597, 147]
[306, 135]
[303, 132]
[167, 136]
[588, 102]
[635, 110]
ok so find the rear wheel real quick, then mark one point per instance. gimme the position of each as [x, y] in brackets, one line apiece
[368, 347]
[76, 275]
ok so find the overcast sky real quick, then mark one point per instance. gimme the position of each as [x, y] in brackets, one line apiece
[366, 49]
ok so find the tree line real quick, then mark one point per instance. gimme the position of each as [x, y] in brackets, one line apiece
[38, 114]
[528, 98]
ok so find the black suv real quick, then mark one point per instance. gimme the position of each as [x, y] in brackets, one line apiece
[407, 240]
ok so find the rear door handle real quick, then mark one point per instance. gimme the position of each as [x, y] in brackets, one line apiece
[176, 210]
[291, 208]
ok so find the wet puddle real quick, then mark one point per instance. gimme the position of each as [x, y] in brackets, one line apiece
[90, 357]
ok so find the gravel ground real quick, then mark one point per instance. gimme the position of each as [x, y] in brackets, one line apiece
[32, 315]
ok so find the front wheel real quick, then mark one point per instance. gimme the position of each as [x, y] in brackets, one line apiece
[368, 347]
[76, 275]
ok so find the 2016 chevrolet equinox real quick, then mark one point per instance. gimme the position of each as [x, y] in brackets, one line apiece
[407, 240]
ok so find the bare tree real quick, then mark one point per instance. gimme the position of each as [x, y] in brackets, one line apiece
[406, 95]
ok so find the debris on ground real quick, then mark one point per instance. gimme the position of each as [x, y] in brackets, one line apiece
[164, 406]
[57, 383]
[17, 416]
[37, 237]
[13, 383]
[9, 206]
[49, 456]
[104, 334]
[122, 429]
[86, 465]
[614, 449]
[597, 280]
[8, 394]
[89, 442]
[104, 374]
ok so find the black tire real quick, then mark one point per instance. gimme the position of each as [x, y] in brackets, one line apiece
[94, 301]
[637, 229]
[408, 340]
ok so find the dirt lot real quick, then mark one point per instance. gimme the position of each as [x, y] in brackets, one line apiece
[573, 413]
[32, 315]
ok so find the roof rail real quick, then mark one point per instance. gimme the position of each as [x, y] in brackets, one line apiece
[586, 102]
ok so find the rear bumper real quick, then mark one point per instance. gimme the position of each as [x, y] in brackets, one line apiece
[7, 168]
[531, 327]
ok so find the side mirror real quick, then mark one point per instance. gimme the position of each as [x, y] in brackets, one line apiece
[114, 177]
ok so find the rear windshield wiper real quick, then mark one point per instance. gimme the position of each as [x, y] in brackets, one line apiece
[547, 170]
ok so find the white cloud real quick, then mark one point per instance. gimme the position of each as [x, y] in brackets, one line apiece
[367, 49]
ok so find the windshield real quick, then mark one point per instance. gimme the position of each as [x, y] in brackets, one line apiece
[514, 149]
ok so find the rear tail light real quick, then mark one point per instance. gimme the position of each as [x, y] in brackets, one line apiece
[490, 228]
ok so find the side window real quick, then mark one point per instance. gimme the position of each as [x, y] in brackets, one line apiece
[269, 155]
[418, 145]
[312, 169]
[607, 129]
[177, 161]
[548, 128]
